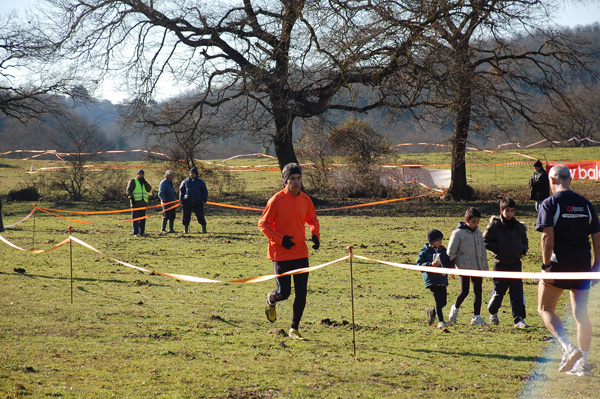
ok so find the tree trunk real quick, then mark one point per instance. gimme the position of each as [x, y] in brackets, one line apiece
[459, 189]
[283, 140]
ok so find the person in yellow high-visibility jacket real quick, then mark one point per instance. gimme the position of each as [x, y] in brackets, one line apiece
[138, 191]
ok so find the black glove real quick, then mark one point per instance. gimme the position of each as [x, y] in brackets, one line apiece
[287, 242]
[316, 241]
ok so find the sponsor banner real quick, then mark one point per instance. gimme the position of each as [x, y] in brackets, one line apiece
[581, 170]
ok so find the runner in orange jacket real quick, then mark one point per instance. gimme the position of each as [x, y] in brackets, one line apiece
[283, 223]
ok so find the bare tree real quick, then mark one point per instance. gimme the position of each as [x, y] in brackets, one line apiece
[28, 90]
[484, 63]
[278, 60]
[183, 140]
[575, 121]
[80, 139]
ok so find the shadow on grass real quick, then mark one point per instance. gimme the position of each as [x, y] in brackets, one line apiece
[78, 279]
[222, 320]
[107, 296]
[486, 355]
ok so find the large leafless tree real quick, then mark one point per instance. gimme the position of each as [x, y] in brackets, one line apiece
[283, 59]
[485, 63]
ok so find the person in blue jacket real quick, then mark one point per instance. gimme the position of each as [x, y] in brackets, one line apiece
[166, 193]
[193, 195]
[434, 254]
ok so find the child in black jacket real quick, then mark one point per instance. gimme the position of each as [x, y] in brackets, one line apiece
[506, 238]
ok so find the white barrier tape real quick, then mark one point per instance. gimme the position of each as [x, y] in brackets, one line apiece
[428, 269]
[34, 251]
[492, 274]
[22, 220]
[195, 279]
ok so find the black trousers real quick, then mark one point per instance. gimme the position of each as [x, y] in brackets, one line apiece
[440, 296]
[515, 291]
[464, 292]
[197, 208]
[170, 214]
[139, 226]
[284, 286]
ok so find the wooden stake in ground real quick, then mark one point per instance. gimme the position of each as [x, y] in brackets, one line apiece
[33, 232]
[71, 262]
[352, 300]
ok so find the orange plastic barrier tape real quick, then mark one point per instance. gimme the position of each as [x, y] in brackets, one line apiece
[235, 206]
[63, 217]
[109, 212]
[169, 208]
[48, 210]
[378, 202]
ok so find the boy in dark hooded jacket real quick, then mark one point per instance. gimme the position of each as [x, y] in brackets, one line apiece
[506, 238]
[434, 254]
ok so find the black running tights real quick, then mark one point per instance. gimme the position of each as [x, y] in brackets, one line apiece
[464, 292]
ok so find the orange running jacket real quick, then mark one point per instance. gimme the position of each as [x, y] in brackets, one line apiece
[285, 215]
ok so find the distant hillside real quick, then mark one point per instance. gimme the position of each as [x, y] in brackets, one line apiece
[403, 128]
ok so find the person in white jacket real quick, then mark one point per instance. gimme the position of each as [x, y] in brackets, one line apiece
[466, 243]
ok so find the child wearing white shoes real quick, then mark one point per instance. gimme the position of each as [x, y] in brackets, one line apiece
[468, 248]
[434, 254]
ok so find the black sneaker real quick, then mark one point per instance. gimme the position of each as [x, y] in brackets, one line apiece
[430, 316]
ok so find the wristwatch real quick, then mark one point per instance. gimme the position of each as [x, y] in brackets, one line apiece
[546, 267]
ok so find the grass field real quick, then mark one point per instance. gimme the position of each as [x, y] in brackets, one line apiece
[129, 334]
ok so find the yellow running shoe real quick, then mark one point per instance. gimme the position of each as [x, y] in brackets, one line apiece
[270, 311]
[295, 335]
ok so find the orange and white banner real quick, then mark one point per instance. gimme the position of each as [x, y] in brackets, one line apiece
[581, 170]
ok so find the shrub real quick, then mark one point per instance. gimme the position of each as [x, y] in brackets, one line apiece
[359, 143]
[23, 194]
[225, 182]
[110, 185]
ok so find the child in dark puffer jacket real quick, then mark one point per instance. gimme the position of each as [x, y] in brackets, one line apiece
[506, 238]
[434, 254]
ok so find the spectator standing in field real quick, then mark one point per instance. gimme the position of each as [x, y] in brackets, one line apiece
[166, 193]
[539, 184]
[567, 220]
[193, 195]
[138, 191]
[283, 223]
[466, 246]
[434, 254]
[506, 238]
